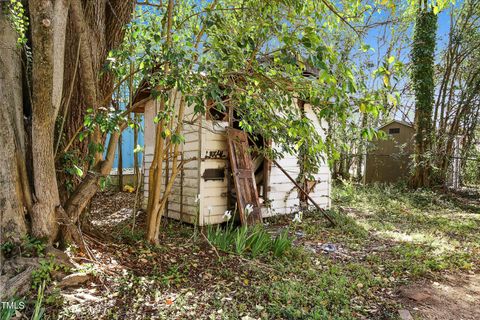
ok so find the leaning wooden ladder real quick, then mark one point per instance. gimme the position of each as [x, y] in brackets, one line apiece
[244, 179]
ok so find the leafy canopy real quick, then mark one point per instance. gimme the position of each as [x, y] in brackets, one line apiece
[262, 55]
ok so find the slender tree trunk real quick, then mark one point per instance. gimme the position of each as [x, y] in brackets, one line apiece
[120, 163]
[361, 149]
[155, 176]
[85, 191]
[136, 167]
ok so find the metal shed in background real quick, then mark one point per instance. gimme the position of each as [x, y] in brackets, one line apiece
[389, 160]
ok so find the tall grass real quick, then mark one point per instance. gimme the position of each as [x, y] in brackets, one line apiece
[39, 310]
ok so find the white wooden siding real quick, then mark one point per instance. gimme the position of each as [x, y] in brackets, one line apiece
[181, 203]
[213, 192]
[204, 136]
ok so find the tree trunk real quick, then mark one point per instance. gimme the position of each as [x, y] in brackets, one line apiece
[85, 191]
[48, 26]
[136, 166]
[423, 84]
[99, 24]
[12, 135]
[120, 164]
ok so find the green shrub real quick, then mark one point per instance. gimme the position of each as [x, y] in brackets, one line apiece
[28, 247]
[33, 247]
[7, 248]
[131, 237]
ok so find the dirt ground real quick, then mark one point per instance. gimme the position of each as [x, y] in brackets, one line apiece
[456, 297]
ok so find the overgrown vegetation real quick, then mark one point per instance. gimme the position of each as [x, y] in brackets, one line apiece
[423, 83]
[385, 237]
[73, 71]
[430, 231]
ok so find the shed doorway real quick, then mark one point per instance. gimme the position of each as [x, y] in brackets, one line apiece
[254, 192]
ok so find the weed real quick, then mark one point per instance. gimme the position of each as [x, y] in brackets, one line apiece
[7, 248]
[33, 247]
[28, 247]
[131, 237]
[38, 311]
[42, 275]
[172, 276]
[55, 298]
[7, 308]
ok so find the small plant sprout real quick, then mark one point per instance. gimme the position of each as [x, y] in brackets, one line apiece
[227, 215]
[248, 209]
[197, 199]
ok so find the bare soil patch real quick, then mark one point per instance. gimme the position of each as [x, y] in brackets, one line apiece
[455, 297]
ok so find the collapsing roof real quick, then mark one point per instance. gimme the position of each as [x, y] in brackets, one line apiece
[144, 89]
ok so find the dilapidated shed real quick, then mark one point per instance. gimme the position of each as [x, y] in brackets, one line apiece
[389, 160]
[225, 174]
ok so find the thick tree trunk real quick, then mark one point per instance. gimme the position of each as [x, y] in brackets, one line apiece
[48, 25]
[423, 59]
[13, 195]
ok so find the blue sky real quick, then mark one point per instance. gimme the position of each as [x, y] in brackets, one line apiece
[442, 32]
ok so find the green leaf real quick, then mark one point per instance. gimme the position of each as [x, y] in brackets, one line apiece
[77, 170]
[386, 81]
[363, 107]
[364, 47]
[138, 149]
[177, 139]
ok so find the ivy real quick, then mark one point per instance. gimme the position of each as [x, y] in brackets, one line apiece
[18, 18]
[423, 59]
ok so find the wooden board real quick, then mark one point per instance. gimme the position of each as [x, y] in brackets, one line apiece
[243, 176]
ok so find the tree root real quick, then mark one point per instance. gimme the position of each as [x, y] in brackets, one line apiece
[18, 284]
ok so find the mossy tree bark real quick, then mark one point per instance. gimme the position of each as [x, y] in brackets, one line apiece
[423, 59]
